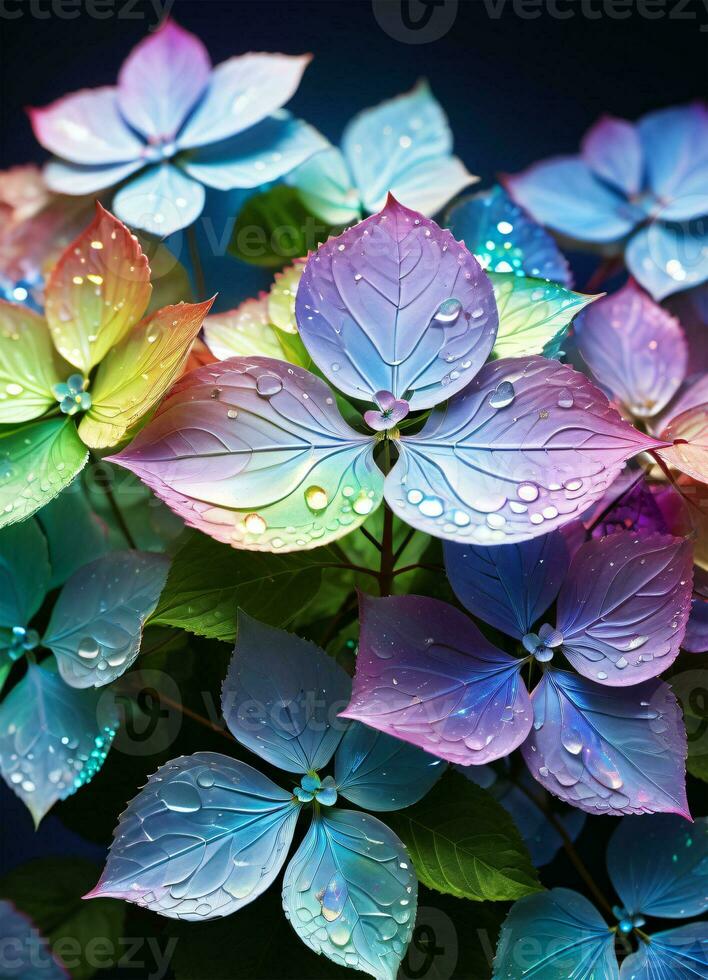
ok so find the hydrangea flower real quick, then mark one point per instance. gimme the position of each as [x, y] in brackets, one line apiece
[657, 869]
[28, 955]
[94, 321]
[254, 451]
[641, 188]
[426, 674]
[403, 146]
[209, 833]
[54, 734]
[182, 125]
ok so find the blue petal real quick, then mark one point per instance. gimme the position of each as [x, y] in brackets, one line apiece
[97, 622]
[350, 893]
[24, 573]
[160, 201]
[53, 739]
[667, 258]
[658, 867]
[77, 178]
[27, 955]
[675, 144]
[263, 153]
[325, 186]
[206, 836]
[379, 772]
[68, 519]
[281, 697]
[509, 586]
[678, 954]
[556, 935]
[504, 239]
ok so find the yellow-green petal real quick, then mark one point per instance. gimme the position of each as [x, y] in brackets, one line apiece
[29, 365]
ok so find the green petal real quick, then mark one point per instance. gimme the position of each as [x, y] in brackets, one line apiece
[29, 365]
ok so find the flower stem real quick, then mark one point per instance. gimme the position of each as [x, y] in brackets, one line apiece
[115, 509]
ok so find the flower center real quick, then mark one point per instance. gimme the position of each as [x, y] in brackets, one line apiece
[391, 411]
[72, 395]
[313, 788]
[543, 643]
[22, 641]
[626, 921]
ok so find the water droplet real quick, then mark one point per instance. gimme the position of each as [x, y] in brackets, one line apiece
[363, 504]
[206, 780]
[88, 648]
[431, 507]
[268, 385]
[180, 797]
[254, 524]
[565, 399]
[527, 492]
[316, 498]
[503, 395]
[448, 311]
[232, 413]
[14, 389]
[414, 497]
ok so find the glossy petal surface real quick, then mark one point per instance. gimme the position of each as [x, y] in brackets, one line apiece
[350, 893]
[624, 606]
[325, 185]
[281, 297]
[509, 586]
[557, 935]
[281, 697]
[24, 573]
[97, 622]
[534, 316]
[99, 288]
[29, 367]
[86, 128]
[675, 143]
[396, 304]
[161, 79]
[426, 674]
[137, 372]
[658, 866]
[677, 954]
[634, 348]
[689, 432]
[613, 151]
[668, 258]
[27, 953]
[378, 772]
[608, 750]
[243, 90]
[161, 200]
[206, 836]
[504, 239]
[77, 178]
[243, 332]
[255, 453]
[528, 446]
[53, 739]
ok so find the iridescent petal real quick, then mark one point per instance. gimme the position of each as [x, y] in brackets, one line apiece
[396, 304]
[658, 866]
[243, 90]
[161, 80]
[404, 146]
[161, 200]
[634, 348]
[65, 520]
[53, 739]
[281, 297]
[378, 772]
[77, 178]
[243, 332]
[255, 453]
[137, 372]
[564, 194]
[677, 954]
[624, 606]
[24, 573]
[696, 637]
[556, 935]
[29, 366]
[350, 893]
[509, 586]
[27, 954]
[628, 505]
[613, 151]
[503, 238]
[608, 750]
[87, 128]
[281, 697]
[426, 674]
[97, 623]
[675, 143]
[689, 433]
[206, 836]
[257, 156]
[667, 258]
[524, 449]
[325, 186]
[99, 288]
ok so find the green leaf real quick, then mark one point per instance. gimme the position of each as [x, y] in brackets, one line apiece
[36, 462]
[275, 227]
[697, 765]
[49, 891]
[463, 843]
[209, 581]
[534, 315]
[29, 365]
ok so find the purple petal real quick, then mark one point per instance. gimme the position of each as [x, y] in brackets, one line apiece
[425, 674]
[527, 447]
[667, 258]
[629, 505]
[634, 348]
[675, 143]
[161, 80]
[624, 606]
[608, 750]
[254, 452]
[564, 194]
[696, 637]
[396, 303]
[509, 586]
[28, 955]
[242, 92]
[86, 128]
[676, 954]
[612, 150]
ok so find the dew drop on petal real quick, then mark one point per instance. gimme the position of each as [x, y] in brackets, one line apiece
[503, 395]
